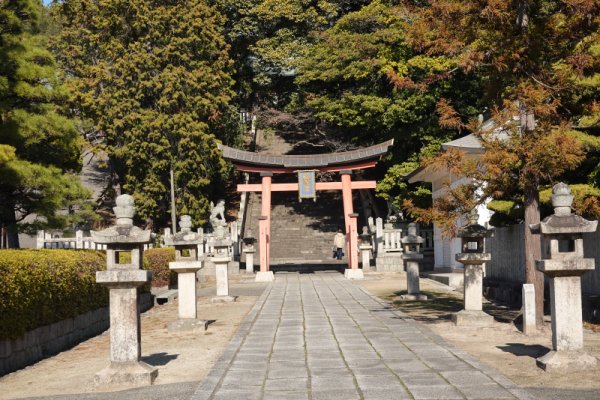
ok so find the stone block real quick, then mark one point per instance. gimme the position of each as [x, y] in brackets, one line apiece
[566, 361]
[529, 325]
[188, 325]
[354, 273]
[262, 276]
[223, 299]
[472, 318]
[126, 374]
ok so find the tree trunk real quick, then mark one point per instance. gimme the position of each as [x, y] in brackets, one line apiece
[533, 250]
[10, 228]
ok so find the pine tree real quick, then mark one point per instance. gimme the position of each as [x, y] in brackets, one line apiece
[38, 144]
[154, 79]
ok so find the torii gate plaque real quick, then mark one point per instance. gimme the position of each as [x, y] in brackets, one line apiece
[344, 163]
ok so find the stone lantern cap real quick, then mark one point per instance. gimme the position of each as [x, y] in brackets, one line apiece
[473, 229]
[249, 240]
[563, 221]
[412, 237]
[365, 236]
[124, 232]
[185, 237]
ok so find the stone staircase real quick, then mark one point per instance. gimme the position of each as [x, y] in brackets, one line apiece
[301, 233]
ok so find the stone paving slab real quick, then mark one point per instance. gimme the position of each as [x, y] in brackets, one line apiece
[319, 336]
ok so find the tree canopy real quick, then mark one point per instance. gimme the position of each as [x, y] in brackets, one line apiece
[39, 145]
[153, 78]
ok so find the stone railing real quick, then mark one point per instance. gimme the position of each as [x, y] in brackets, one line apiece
[44, 240]
[387, 239]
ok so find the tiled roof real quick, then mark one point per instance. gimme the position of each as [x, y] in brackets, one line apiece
[305, 161]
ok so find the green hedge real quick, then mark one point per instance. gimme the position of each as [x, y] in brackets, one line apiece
[157, 260]
[40, 287]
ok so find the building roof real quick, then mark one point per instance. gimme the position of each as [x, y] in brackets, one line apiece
[313, 161]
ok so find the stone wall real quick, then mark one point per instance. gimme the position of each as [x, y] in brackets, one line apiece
[49, 340]
[506, 271]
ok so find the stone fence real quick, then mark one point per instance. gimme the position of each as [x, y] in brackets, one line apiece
[505, 273]
[49, 340]
[44, 240]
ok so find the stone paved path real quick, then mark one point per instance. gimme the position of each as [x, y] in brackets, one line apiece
[318, 336]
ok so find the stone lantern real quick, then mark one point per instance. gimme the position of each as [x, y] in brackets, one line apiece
[123, 281]
[564, 264]
[411, 245]
[187, 263]
[365, 247]
[249, 251]
[221, 259]
[473, 258]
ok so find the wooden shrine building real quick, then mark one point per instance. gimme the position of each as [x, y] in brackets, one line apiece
[306, 167]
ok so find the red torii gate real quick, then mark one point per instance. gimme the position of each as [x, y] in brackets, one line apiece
[344, 163]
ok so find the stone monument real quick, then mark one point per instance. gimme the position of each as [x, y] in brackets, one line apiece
[123, 281]
[187, 263]
[365, 247]
[412, 254]
[249, 250]
[473, 258]
[564, 264]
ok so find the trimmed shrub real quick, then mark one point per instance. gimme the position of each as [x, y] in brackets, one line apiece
[157, 260]
[40, 287]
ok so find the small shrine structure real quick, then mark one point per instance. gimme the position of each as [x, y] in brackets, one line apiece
[306, 167]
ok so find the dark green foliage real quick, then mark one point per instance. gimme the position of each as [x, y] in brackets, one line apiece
[38, 142]
[40, 287]
[154, 78]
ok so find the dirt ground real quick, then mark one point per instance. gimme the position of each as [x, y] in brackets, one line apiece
[179, 357]
[503, 347]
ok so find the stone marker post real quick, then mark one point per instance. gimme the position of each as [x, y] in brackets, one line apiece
[528, 296]
[365, 246]
[249, 251]
[221, 260]
[411, 254]
[564, 264]
[187, 263]
[473, 258]
[123, 281]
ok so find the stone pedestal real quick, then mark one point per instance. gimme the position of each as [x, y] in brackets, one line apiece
[187, 297]
[123, 281]
[412, 282]
[250, 259]
[365, 255]
[264, 276]
[473, 314]
[222, 280]
[354, 273]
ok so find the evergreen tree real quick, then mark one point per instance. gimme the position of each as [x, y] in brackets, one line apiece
[38, 144]
[154, 79]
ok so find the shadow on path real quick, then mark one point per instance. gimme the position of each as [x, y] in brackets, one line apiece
[524, 350]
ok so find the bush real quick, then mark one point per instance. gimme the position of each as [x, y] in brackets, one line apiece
[40, 287]
[157, 260]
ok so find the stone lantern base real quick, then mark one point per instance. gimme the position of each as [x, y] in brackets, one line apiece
[354, 273]
[188, 325]
[126, 374]
[566, 361]
[413, 297]
[264, 276]
[472, 318]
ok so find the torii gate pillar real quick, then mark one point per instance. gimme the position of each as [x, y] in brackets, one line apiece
[264, 242]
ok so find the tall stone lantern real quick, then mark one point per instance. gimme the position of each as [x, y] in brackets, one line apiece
[123, 281]
[411, 246]
[473, 258]
[187, 263]
[564, 264]
[365, 247]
